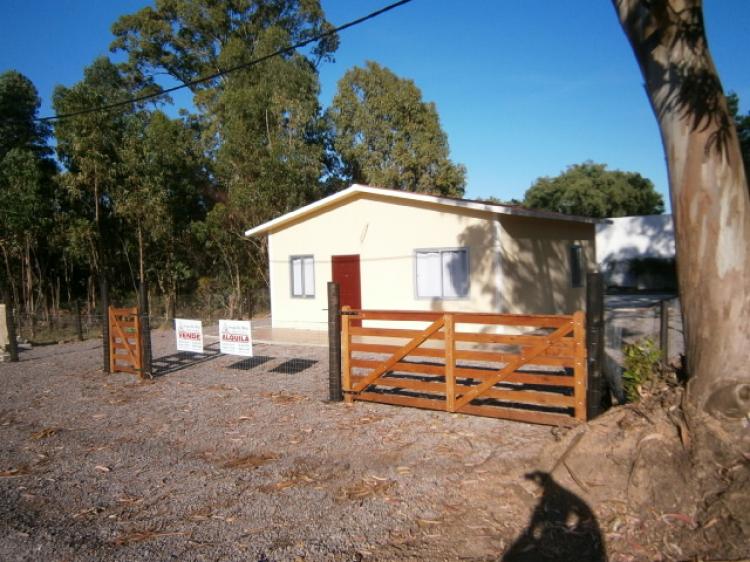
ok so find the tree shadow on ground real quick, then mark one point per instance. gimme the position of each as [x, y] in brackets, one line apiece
[562, 528]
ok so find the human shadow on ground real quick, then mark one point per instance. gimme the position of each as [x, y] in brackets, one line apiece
[562, 528]
[182, 360]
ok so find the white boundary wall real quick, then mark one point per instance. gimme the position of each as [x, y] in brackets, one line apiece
[622, 239]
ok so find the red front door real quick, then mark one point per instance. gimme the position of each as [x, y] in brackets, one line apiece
[346, 274]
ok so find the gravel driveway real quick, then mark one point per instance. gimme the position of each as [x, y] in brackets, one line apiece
[245, 460]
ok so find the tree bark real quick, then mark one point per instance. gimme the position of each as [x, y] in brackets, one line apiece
[103, 282]
[709, 194]
[141, 257]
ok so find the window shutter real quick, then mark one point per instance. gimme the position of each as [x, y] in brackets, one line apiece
[455, 270]
[428, 274]
[297, 277]
[309, 276]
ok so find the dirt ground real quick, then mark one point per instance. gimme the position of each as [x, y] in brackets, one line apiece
[230, 459]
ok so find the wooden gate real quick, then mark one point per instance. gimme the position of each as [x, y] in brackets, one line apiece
[522, 367]
[125, 341]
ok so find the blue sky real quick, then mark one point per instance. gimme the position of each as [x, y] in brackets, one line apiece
[523, 88]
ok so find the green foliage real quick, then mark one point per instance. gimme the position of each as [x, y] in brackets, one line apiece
[161, 194]
[170, 199]
[590, 190]
[20, 193]
[261, 128]
[25, 169]
[388, 137]
[88, 145]
[513, 202]
[27, 195]
[641, 366]
[189, 39]
[19, 104]
[269, 137]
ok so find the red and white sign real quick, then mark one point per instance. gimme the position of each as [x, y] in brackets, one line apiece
[235, 337]
[189, 334]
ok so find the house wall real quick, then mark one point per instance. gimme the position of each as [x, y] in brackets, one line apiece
[535, 264]
[386, 233]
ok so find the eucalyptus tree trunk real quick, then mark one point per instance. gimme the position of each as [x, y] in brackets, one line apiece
[103, 281]
[709, 194]
[141, 261]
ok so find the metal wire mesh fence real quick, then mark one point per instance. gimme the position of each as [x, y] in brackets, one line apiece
[63, 326]
[631, 318]
[293, 349]
[268, 355]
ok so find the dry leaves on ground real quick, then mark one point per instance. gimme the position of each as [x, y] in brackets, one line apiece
[44, 433]
[249, 461]
[283, 397]
[368, 486]
[13, 472]
[140, 536]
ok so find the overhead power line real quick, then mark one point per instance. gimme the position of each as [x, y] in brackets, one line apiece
[242, 66]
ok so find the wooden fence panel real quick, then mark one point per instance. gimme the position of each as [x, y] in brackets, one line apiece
[537, 374]
[125, 341]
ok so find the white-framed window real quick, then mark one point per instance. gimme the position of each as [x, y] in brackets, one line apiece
[442, 273]
[302, 275]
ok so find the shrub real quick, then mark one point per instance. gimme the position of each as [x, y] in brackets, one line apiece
[641, 364]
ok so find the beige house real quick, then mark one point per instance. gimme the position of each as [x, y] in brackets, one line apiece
[393, 250]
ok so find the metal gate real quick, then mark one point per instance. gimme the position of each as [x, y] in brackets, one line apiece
[522, 367]
[125, 341]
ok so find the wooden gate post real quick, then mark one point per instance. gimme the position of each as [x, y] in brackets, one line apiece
[346, 367]
[581, 371]
[79, 325]
[597, 393]
[450, 363]
[104, 303]
[145, 330]
[334, 343]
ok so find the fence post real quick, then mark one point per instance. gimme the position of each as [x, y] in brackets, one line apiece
[346, 368]
[113, 355]
[79, 325]
[580, 371]
[145, 330]
[597, 394]
[104, 302]
[10, 321]
[664, 332]
[450, 362]
[334, 343]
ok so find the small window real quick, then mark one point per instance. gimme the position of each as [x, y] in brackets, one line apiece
[576, 266]
[303, 276]
[442, 273]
